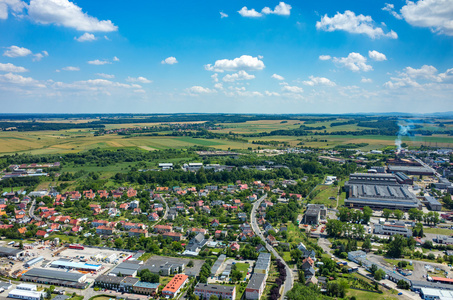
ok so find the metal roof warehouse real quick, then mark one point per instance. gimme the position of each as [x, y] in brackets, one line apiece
[74, 265]
[61, 278]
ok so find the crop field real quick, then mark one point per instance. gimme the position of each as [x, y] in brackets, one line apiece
[76, 140]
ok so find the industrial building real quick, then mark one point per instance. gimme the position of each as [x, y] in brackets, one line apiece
[165, 266]
[379, 196]
[26, 292]
[205, 291]
[314, 213]
[126, 268]
[6, 252]
[370, 178]
[52, 277]
[218, 263]
[435, 294]
[444, 184]
[392, 229]
[411, 170]
[256, 286]
[67, 264]
[403, 178]
[33, 261]
[432, 203]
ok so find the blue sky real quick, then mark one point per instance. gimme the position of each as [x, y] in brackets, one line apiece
[226, 56]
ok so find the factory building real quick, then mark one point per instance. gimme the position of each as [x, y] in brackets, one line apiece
[126, 269]
[52, 277]
[33, 261]
[314, 213]
[392, 229]
[432, 203]
[67, 264]
[6, 252]
[411, 170]
[26, 292]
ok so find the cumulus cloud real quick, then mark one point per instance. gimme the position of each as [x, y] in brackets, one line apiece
[425, 72]
[13, 6]
[434, 14]
[108, 76]
[282, 9]
[223, 15]
[349, 22]
[86, 37]
[215, 77]
[70, 68]
[267, 93]
[292, 89]
[251, 13]
[391, 9]
[366, 80]
[241, 75]
[377, 56]
[169, 61]
[319, 81]
[116, 58]
[15, 51]
[98, 62]
[198, 90]
[39, 56]
[67, 14]
[278, 77]
[245, 62]
[138, 79]
[12, 68]
[11, 78]
[425, 76]
[354, 62]
[325, 57]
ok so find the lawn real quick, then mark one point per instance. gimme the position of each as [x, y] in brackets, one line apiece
[324, 192]
[443, 231]
[363, 295]
[293, 233]
[394, 262]
[242, 267]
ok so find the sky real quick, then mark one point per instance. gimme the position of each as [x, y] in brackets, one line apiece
[146, 56]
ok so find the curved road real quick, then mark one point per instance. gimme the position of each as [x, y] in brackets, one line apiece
[289, 275]
[165, 214]
[31, 212]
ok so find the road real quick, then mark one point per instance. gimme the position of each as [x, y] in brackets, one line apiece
[426, 166]
[31, 212]
[289, 274]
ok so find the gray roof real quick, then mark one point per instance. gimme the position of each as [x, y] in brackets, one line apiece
[109, 279]
[256, 280]
[51, 274]
[10, 251]
[61, 297]
[215, 287]
[126, 269]
[130, 280]
[410, 169]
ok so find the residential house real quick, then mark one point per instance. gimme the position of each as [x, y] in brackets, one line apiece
[138, 232]
[215, 223]
[163, 228]
[175, 236]
[153, 217]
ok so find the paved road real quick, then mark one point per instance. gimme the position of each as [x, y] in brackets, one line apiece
[31, 212]
[289, 273]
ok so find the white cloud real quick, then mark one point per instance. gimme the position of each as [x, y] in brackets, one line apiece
[70, 68]
[140, 91]
[223, 15]
[116, 58]
[67, 14]
[39, 56]
[245, 62]
[11, 78]
[252, 13]
[218, 86]
[15, 51]
[325, 57]
[86, 37]
[271, 93]
[426, 76]
[12, 68]
[377, 56]
[98, 62]
[138, 79]
[292, 89]
[366, 80]
[215, 77]
[197, 90]
[282, 9]
[108, 76]
[241, 75]
[278, 77]
[434, 14]
[319, 81]
[169, 61]
[354, 62]
[14, 6]
[425, 72]
[390, 8]
[351, 23]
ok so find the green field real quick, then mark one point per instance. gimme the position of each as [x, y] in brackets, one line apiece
[363, 295]
[326, 192]
[394, 262]
[443, 231]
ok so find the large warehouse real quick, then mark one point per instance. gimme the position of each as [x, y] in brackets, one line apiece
[6, 251]
[380, 197]
[61, 278]
[410, 170]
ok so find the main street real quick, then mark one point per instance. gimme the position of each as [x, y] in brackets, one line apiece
[289, 275]
[165, 214]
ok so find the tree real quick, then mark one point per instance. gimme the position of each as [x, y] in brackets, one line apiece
[366, 244]
[334, 228]
[367, 212]
[386, 213]
[21, 245]
[302, 292]
[296, 255]
[403, 284]
[190, 264]
[119, 243]
[398, 214]
[396, 246]
[373, 269]
[379, 274]
[301, 274]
